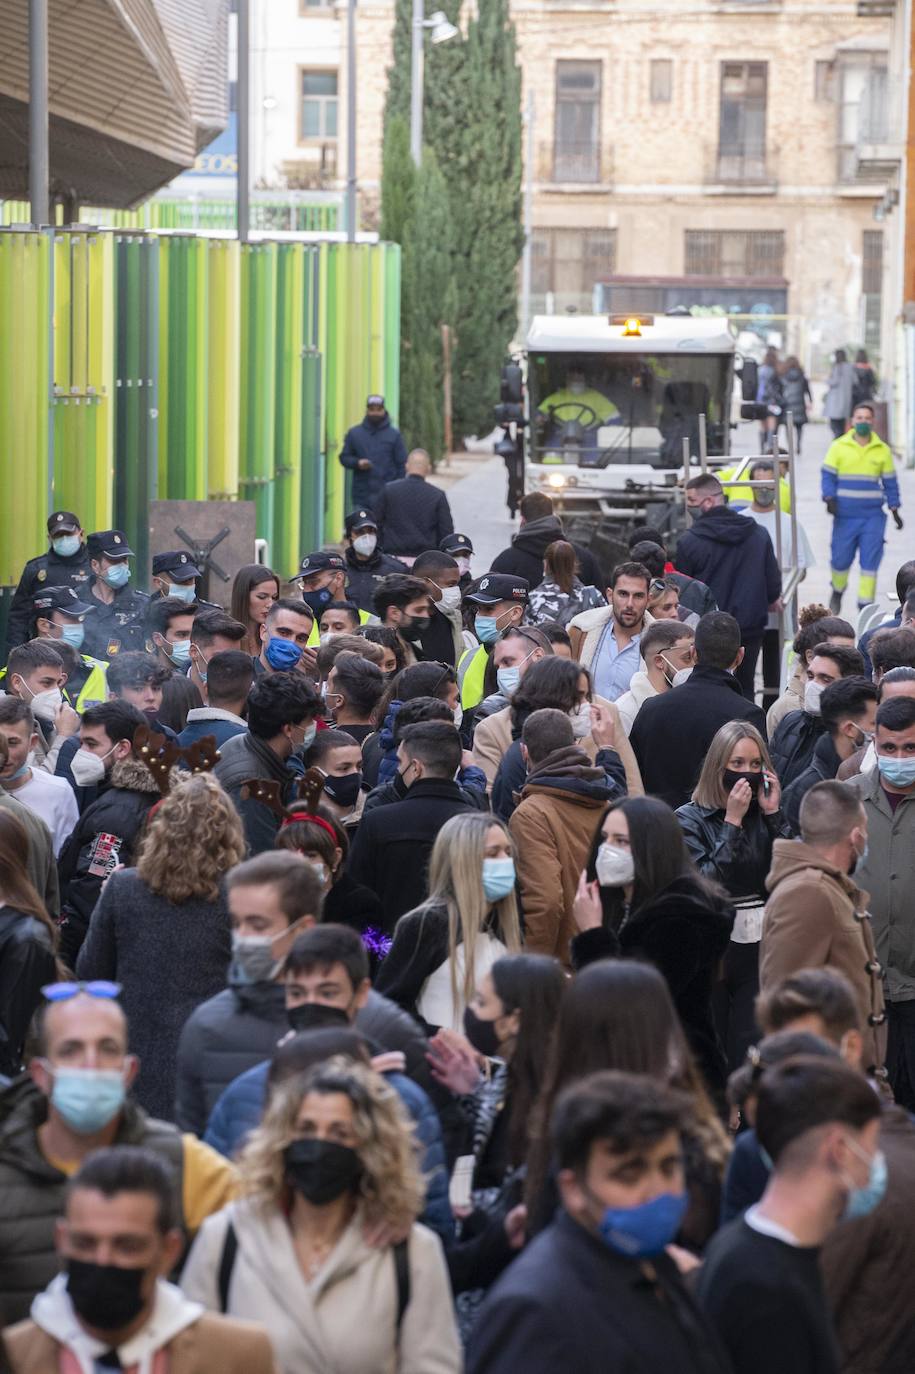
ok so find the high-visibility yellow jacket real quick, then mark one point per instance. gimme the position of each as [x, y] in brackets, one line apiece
[859, 476]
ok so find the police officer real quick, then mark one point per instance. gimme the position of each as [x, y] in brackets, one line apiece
[59, 615]
[498, 601]
[66, 564]
[175, 574]
[119, 610]
[366, 562]
[321, 580]
[856, 476]
[461, 549]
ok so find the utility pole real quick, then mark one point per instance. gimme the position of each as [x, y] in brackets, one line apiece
[351, 122]
[242, 91]
[38, 111]
[527, 254]
[417, 74]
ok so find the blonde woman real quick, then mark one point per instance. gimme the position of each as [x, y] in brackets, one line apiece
[729, 828]
[162, 931]
[327, 1252]
[443, 950]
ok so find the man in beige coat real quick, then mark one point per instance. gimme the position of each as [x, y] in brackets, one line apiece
[111, 1306]
[816, 916]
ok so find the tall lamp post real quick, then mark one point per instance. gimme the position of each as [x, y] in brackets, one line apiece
[440, 30]
[351, 122]
[242, 100]
[38, 111]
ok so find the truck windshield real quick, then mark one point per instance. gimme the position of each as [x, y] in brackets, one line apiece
[596, 409]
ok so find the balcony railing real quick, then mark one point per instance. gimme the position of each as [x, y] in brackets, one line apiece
[580, 164]
[741, 168]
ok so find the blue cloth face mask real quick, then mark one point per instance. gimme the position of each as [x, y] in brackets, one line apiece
[73, 635]
[862, 1201]
[282, 654]
[179, 652]
[485, 628]
[66, 545]
[183, 591]
[317, 600]
[498, 878]
[87, 1099]
[19, 773]
[642, 1232]
[898, 772]
[118, 575]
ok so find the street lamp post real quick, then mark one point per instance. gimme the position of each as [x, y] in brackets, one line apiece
[351, 122]
[38, 111]
[242, 92]
[441, 29]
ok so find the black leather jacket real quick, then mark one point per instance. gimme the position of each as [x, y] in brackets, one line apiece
[738, 857]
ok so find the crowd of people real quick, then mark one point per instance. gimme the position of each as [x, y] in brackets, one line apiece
[419, 967]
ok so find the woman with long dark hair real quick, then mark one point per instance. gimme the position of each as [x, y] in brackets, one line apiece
[641, 896]
[254, 591]
[28, 944]
[562, 594]
[618, 1014]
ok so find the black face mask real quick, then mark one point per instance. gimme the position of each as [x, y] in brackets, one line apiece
[105, 1295]
[731, 779]
[322, 1170]
[315, 1016]
[414, 627]
[343, 790]
[480, 1033]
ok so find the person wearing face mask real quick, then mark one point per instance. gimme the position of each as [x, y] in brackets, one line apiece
[34, 673]
[75, 1101]
[412, 513]
[595, 1290]
[230, 676]
[799, 732]
[443, 948]
[416, 708]
[285, 636]
[321, 582]
[66, 564]
[816, 913]
[552, 827]
[374, 452]
[283, 710]
[58, 615]
[498, 602]
[444, 641]
[333, 1159]
[730, 827]
[120, 610]
[115, 790]
[49, 797]
[39, 856]
[353, 689]
[174, 577]
[460, 546]
[119, 1238]
[848, 710]
[338, 755]
[516, 650]
[403, 604]
[760, 1286]
[169, 627]
[366, 561]
[858, 475]
[667, 649]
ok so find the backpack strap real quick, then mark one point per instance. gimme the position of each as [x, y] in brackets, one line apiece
[226, 1265]
[402, 1275]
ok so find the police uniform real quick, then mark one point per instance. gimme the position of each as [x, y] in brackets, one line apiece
[324, 560]
[459, 546]
[89, 685]
[363, 574]
[180, 567]
[49, 569]
[486, 591]
[854, 480]
[118, 626]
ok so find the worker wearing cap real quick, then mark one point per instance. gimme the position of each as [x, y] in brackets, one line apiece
[58, 614]
[498, 601]
[66, 564]
[461, 549]
[119, 610]
[175, 574]
[321, 579]
[374, 452]
[365, 560]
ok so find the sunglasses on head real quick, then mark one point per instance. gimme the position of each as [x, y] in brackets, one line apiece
[63, 992]
[657, 587]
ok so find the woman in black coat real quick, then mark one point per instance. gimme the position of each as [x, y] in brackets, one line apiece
[28, 942]
[729, 827]
[640, 897]
[162, 929]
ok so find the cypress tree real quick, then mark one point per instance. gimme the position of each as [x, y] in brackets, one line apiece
[398, 176]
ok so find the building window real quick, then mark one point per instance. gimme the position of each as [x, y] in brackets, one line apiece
[309, 6]
[662, 80]
[568, 262]
[576, 145]
[748, 253]
[742, 122]
[319, 105]
[824, 81]
[863, 107]
[872, 287]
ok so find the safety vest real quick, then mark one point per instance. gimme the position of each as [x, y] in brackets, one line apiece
[314, 639]
[859, 476]
[743, 496]
[94, 690]
[471, 671]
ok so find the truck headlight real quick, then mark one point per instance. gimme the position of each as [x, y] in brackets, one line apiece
[556, 480]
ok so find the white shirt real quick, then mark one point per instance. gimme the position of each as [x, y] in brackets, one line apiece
[764, 1227]
[766, 518]
[54, 801]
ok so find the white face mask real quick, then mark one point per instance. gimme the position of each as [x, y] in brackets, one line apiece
[463, 565]
[366, 544]
[614, 867]
[681, 677]
[458, 718]
[812, 693]
[581, 720]
[451, 598]
[46, 705]
[87, 768]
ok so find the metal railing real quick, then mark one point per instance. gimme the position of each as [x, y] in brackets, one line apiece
[563, 163]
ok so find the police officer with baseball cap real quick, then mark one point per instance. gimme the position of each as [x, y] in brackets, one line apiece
[58, 614]
[322, 579]
[461, 549]
[66, 564]
[498, 601]
[366, 561]
[175, 574]
[117, 625]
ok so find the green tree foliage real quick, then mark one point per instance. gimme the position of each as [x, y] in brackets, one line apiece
[398, 176]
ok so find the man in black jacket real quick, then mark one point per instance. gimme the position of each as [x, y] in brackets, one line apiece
[282, 712]
[66, 564]
[848, 710]
[735, 557]
[799, 731]
[366, 561]
[390, 853]
[540, 528]
[375, 453]
[412, 514]
[120, 790]
[595, 1291]
[672, 733]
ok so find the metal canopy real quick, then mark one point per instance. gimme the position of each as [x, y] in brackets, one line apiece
[136, 89]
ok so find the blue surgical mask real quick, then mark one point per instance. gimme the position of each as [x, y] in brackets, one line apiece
[508, 680]
[19, 773]
[66, 545]
[898, 772]
[73, 635]
[87, 1099]
[282, 654]
[862, 1201]
[485, 628]
[183, 591]
[301, 747]
[643, 1232]
[498, 878]
[179, 652]
[117, 575]
[317, 600]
